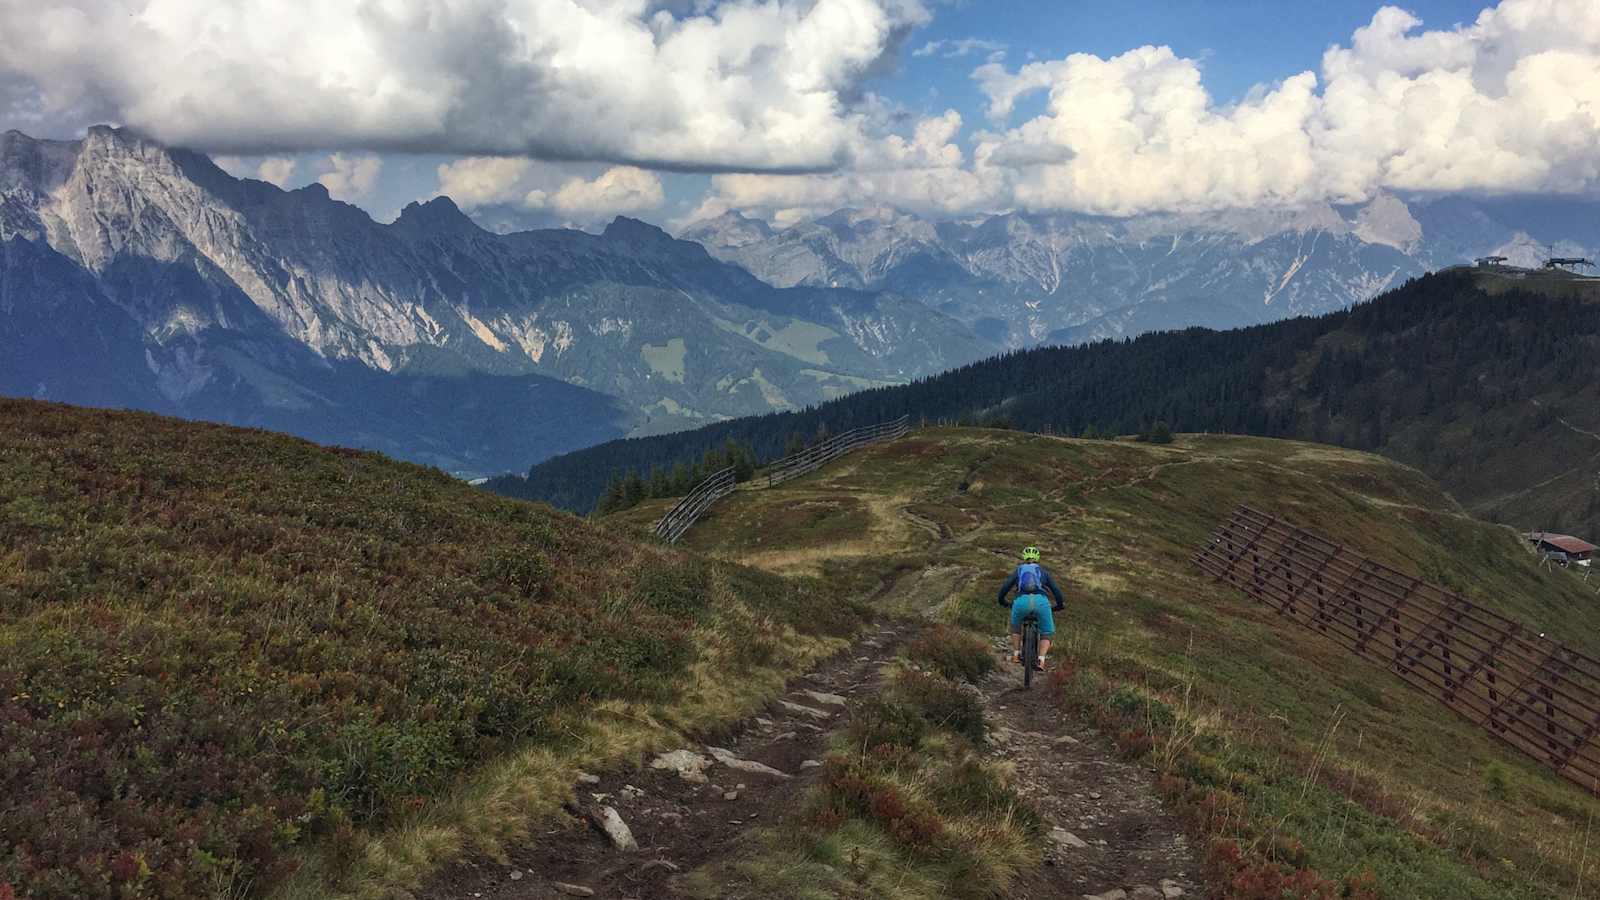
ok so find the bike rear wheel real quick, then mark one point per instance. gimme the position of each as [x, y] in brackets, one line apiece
[1030, 652]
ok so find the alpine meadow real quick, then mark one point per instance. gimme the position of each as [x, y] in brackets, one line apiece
[815, 449]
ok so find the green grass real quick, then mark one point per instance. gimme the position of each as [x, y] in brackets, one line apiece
[1314, 745]
[231, 660]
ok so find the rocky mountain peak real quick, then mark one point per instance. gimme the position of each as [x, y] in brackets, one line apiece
[437, 215]
[643, 240]
[622, 228]
[1387, 220]
[731, 229]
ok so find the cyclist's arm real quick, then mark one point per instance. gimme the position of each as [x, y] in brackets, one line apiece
[1005, 589]
[1055, 592]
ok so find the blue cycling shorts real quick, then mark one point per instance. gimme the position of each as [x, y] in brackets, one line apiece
[1038, 603]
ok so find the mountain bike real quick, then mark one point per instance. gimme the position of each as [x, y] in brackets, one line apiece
[1030, 646]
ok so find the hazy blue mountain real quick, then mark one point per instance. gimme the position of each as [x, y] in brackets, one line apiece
[133, 274]
[1022, 279]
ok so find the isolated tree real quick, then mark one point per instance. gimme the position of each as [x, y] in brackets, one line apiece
[633, 489]
[659, 485]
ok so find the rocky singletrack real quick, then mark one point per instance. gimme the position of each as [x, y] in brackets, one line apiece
[1107, 836]
[680, 818]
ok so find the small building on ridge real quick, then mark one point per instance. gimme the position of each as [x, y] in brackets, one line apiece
[1563, 548]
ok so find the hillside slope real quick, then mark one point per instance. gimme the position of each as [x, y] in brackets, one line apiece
[1309, 756]
[231, 660]
[1490, 392]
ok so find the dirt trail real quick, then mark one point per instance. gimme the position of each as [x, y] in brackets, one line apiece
[1107, 829]
[680, 824]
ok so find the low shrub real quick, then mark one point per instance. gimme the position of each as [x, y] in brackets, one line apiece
[976, 788]
[952, 652]
[851, 789]
[877, 723]
[218, 645]
[941, 702]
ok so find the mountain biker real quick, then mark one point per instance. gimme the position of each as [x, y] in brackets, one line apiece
[1031, 581]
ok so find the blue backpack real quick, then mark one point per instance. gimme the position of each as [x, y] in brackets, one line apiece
[1030, 578]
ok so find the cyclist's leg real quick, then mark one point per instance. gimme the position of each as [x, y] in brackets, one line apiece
[1018, 607]
[1047, 625]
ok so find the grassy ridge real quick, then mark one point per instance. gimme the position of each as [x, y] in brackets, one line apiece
[220, 649]
[1287, 755]
[1491, 394]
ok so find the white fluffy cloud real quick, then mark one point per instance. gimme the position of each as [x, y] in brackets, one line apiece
[925, 172]
[278, 170]
[736, 85]
[351, 177]
[617, 190]
[482, 181]
[1509, 102]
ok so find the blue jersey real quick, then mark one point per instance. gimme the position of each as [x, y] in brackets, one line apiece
[1049, 585]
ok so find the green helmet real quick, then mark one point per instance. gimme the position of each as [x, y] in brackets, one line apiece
[1030, 554]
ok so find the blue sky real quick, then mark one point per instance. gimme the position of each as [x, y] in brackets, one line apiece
[1242, 42]
[572, 111]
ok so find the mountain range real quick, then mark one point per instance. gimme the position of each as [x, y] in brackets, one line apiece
[132, 274]
[1020, 279]
[138, 275]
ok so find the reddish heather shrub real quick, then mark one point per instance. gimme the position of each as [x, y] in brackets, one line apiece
[1172, 787]
[952, 652]
[852, 792]
[1289, 851]
[1362, 886]
[125, 867]
[1133, 743]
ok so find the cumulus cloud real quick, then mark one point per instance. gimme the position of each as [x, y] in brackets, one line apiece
[922, 171]
[758, 85]
[475, 182]
[1510, 102]
[351, 178]
[483, 180]
[620, 189]
[1139, 131]
[278, 170]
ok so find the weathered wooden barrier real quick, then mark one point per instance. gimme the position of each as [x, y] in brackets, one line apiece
[1529, 691]
[720, 484]
[813, 458]
[680, 517]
